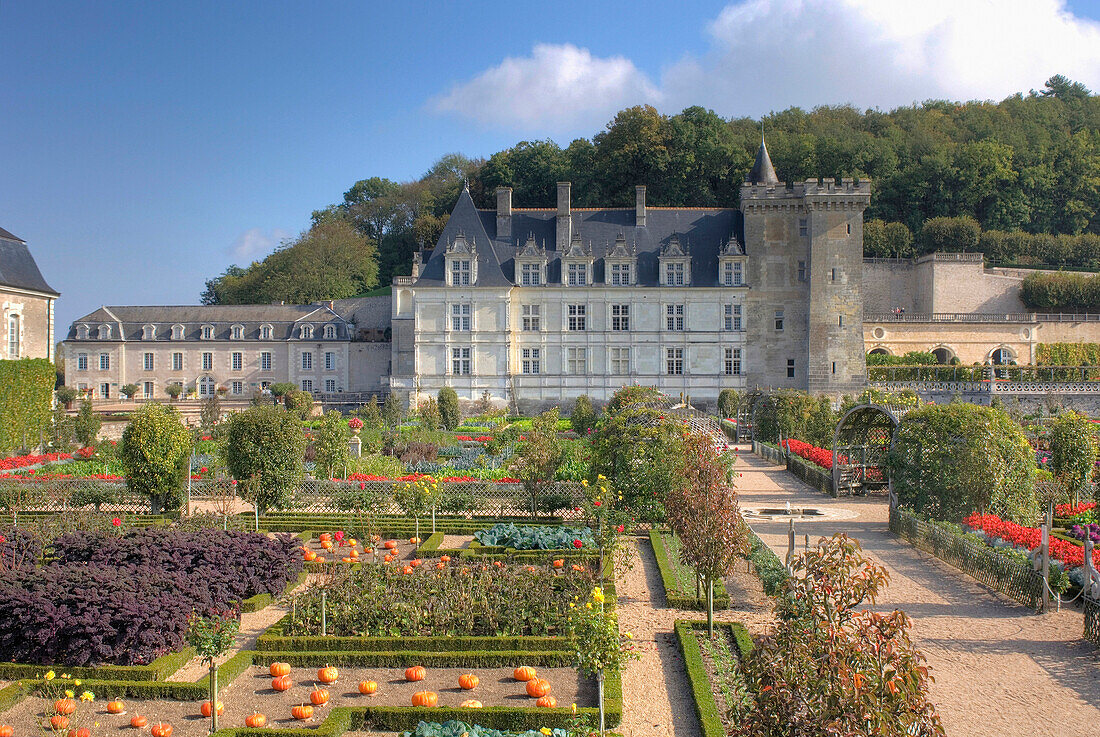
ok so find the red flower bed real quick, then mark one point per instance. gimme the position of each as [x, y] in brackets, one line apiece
[52, 476]
[7, 464]
[418, 476]
[1068, 510]
[811, 453]
[1026, 537]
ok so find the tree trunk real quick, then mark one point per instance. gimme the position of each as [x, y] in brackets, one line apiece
[710, 607]
[213, 697]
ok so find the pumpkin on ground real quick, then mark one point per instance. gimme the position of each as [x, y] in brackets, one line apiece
[537, 688]
[468, 681]
[279, 669]
[391, 545]
[138, 721]
[471, 704]
[59, 722]
[319, 696]
[367, 687]
[302, 712]
[6, 730]
[113, 707]
[414, 541]
[82, 732]
[547, 701]
[161, 729]
[523, 673]
[282, 683]
[415, 673]
[328, 674]
[445, 558]
[206, 709]
[64, 706]
[425, 698]
[255, 720]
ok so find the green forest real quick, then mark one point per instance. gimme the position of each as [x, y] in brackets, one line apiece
[1017, 179]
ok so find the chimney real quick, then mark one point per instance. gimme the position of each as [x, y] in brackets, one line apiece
[331, 304]
[639, 205]
[565, 219]
[504, 212]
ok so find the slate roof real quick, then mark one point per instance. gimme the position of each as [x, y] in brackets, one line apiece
[703, 231]
[282, 318]
[368, 313]
[17, 266]
[762, 171]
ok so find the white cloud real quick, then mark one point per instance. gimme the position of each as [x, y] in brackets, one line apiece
[255, 243]
[557, 88]
[768, 55]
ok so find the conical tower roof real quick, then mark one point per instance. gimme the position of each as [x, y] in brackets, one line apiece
[762, 170]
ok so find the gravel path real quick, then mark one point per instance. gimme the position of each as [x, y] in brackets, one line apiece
[999, 669]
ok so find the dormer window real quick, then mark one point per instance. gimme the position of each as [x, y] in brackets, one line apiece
[576, 264]
[265, 332]
[208, 332]
[177, 332]
[307, 332]
[461, 260]
[149, 332]
[531, 264]
[675, 264]
[577, 274]
[731, 264]
[330, 332]
[620, 265]
[104, 332]
[82, 332]
[237, 332]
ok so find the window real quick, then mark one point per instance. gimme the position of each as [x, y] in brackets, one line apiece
[81, 361]
[531, 361]
[330, 361]
[733, 362]
[577, 317]
[330, 332]
[265, 361]
[674, 275]
[620, 275]
[790, 368]
[236, 387]
[207, 332]
[206, 386]
[619, 360]
[733, 274]
[238, 332]
[840, 321]
[674, 317]
[460, 273]
[803, 227]
[238, 361]
[802, 271]
[620, 317]
[177, 332]
[265, 332]
[531, 275]
[147, 362]
[460, 361]
[148, 332]
[307, 332]
[147, 389]
[82, 332]
[732, 317]
[307, 385]
[832, 275]
[848, 227]
[578, 275]
[576, 361]
[104, 332]
[834, 367]
[104, 361]
[105, 390]
[460, 317]
[307, 360]
[330, 386]
[177, 361]
[779, 319]
[674, 361]
[530, 315]
[207, 361]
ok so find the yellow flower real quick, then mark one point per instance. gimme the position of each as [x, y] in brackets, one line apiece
[546, 731]
[584, 482]
[573, 708]
[87, 696]
[76, 682]
[50, 675]
[69, 694]
[601, 477]
[64, 675]
[588, 605]
[629, 636]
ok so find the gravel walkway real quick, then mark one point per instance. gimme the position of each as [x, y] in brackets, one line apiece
[999, 669]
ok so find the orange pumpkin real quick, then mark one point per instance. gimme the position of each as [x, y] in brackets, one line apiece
[548, 701]
[205, 709]
[318, 696]
[445, 558]
[64, 706]
[326, 545]
[282, 683]
[279, 669]
[415, 563]
[440, 566]
[319, 559]
[309, 555]
[82, 732]
[389, 558]
[559, 563]
[425, 698]
[6, 730]
[537, 688]
[391, 545]
[325, 536]
[328, 674]
[407, 570]
[255, 720]
[415, 673]
[523, 673]
[468, 681]
[353, 554]
[138, 721]
[353, 542]
[113, 707]
[59, 722]
[161, 729]
[347, 559]
[414, 541]
[302, 712]
[367, 687]
[471, 704]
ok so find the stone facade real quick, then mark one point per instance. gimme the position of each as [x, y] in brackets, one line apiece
[26, 303]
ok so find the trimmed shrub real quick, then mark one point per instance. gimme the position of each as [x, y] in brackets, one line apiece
[583, 417]
[27, 388]
[264, 448]
[448, 408]
[155, 450]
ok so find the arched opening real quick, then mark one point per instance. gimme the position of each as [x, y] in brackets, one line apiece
[13, 336]
[943, 355]
[207, 386]
[1002, 357]
[860, 444]
[878, 352]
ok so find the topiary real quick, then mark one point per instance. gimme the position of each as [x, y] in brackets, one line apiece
[155, 450]
[264, 449]
[449, 412]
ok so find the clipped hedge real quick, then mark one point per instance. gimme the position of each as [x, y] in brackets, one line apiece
[158, 670]
[676, 597]
[27, 388]
[769, 568]
[706, 707]
[262, 601]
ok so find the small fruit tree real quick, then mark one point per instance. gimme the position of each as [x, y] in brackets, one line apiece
[330, 442]
[449, 412]
[703, 511]
[1073, 450]
[264, 447]
[583, 418]
[537, 460]
[601, 648]
[155, 452]
[831, 668]
[417, 497]
[211, 637]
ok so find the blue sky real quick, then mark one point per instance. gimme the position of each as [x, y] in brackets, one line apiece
[146, 146]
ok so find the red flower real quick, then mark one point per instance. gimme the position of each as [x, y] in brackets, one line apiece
[202, 470]
[597, 503]
[339, 535]
[116, 522]
[362, 485]
[578, 544]
[619, 528]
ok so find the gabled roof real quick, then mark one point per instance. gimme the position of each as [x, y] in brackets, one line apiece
[465, 221]
[17, 266]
